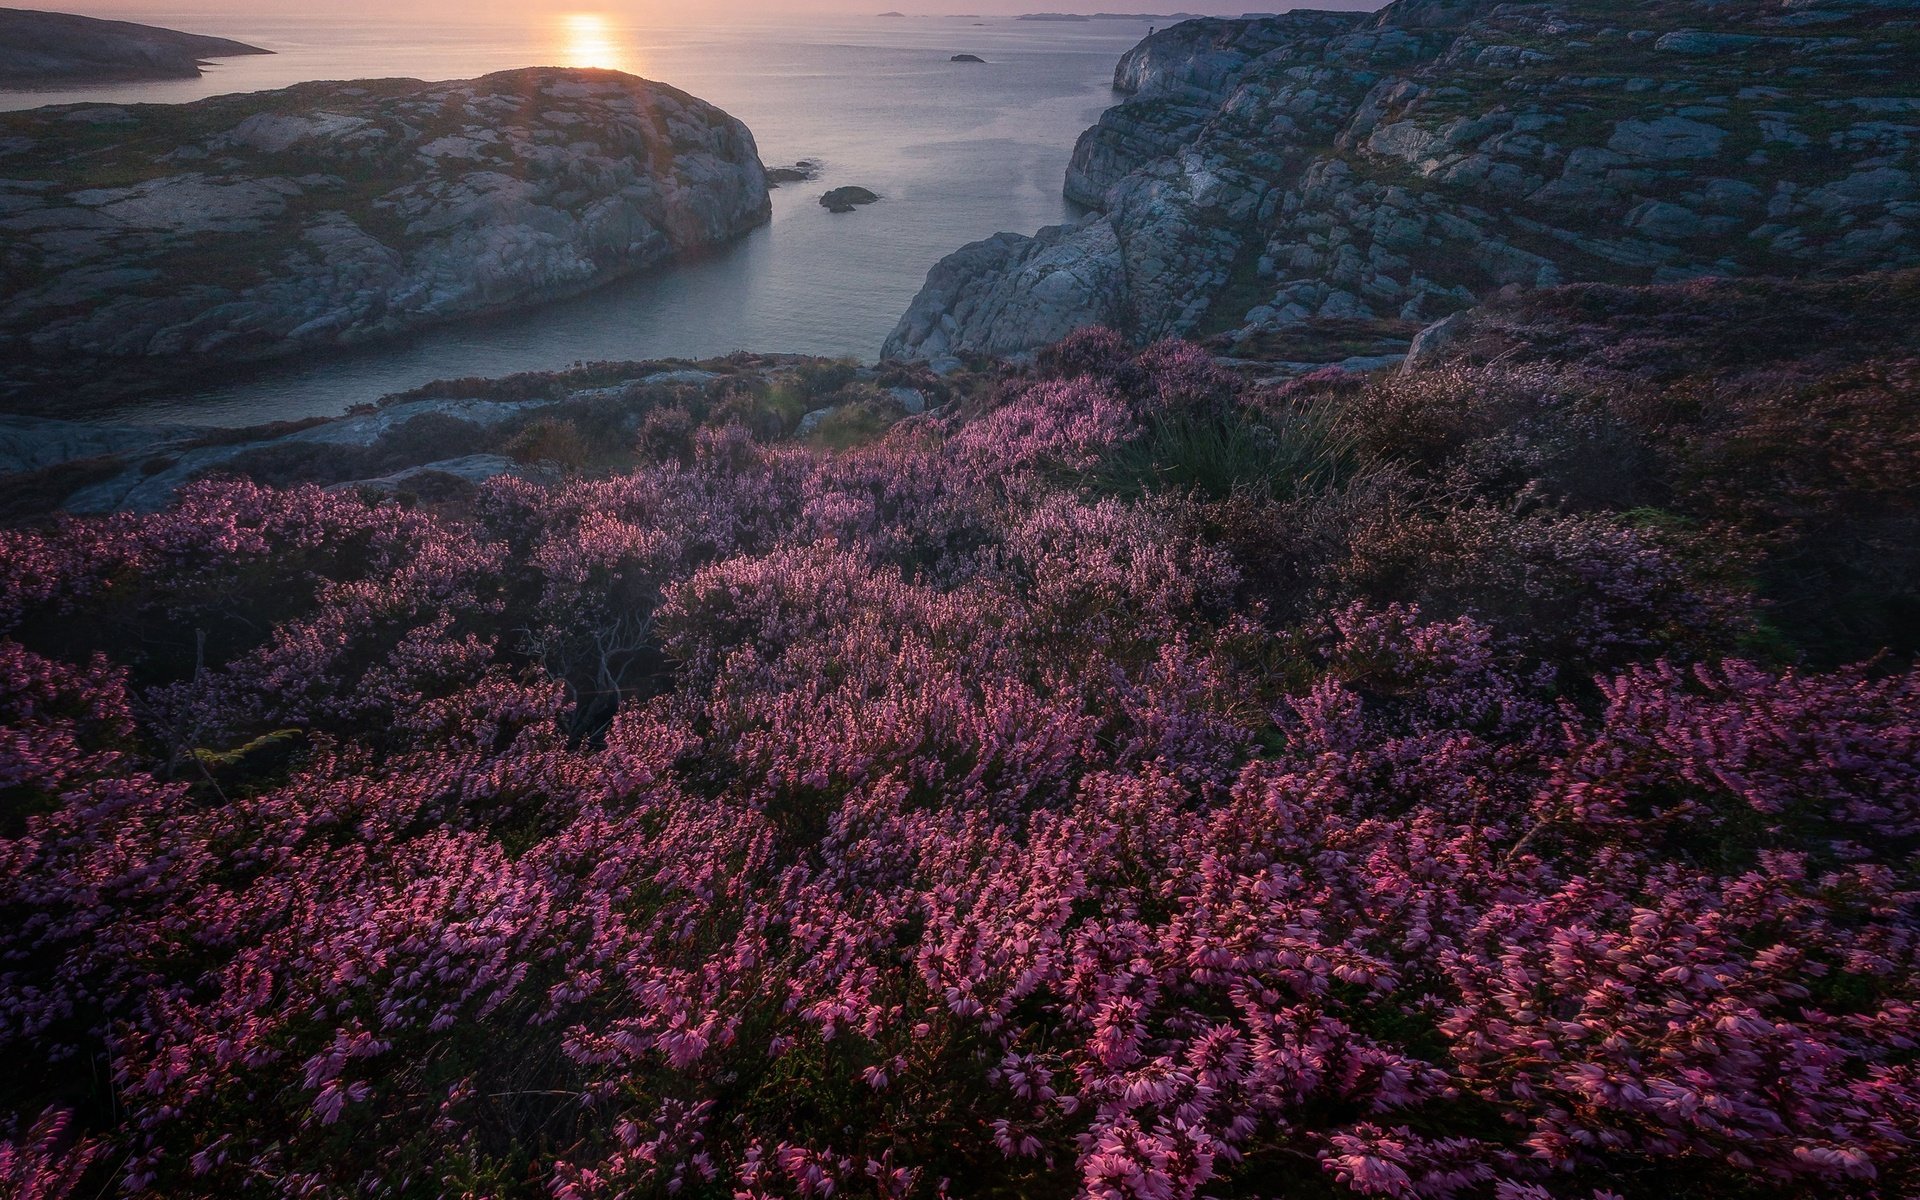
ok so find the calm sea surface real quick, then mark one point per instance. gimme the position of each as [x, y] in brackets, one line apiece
[959, 151]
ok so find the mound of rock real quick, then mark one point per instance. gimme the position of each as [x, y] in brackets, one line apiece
[245, 227]
[1394, 167]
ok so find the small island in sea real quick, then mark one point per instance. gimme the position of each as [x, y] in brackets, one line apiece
[1167, 18]
[47, 47]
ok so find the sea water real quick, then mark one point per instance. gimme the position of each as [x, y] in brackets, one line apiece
[959, 151]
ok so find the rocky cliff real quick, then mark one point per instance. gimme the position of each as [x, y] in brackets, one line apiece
[245, 227]
[1384, 170]
[44, 47]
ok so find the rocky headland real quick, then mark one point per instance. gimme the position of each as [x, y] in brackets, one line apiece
[1268, 177]
[140, 243]
[40, 48]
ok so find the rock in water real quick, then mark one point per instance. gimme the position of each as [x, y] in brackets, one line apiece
[45, 47]
[1388, 169]
[846, 199]
[245, 227]
[967, 58]
[801, 172]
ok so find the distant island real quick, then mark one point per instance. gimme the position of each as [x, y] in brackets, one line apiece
[45, 47]
[1169, 18]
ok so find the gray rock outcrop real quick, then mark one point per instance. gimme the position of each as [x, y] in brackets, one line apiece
[246, 227]
[1271, 173]
[434, 440]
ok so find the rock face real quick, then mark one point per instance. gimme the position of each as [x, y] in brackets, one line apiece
[1270, 173]
[250, 226]
[44, 47]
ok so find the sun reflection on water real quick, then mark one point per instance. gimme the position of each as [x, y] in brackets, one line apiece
[589, 40]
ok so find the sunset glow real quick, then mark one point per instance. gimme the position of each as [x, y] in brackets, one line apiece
[590, 40]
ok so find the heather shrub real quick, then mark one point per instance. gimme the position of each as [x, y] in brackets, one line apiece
[666, 434]
[822, 377]
[1428, 417]
[1058, 426]
[42, 1162]
[550, 441]
[906, 503]
[1582, 591]
[767, 411]
[1113, 576]
[1826, 476]
[284, 465]
[1168, 376]
[925, 819]
[1215, 457]
[861, 414]
[1096, 351]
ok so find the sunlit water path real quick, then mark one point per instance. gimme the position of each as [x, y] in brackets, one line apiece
[959, 151]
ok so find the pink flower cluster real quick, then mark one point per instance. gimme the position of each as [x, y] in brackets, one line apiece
[911, 822]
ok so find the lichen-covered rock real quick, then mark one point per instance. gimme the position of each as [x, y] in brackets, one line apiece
[1273, 172]
[250, 226]
[1011, 293]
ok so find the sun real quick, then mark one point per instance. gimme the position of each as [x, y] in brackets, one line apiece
[589, 40]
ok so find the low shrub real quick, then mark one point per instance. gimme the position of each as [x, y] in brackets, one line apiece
[1349, 814]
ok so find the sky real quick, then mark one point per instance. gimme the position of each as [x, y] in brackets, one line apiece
[675, 11]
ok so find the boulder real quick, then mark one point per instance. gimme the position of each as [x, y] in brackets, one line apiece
[1430, 343]
[1010, 293]
[1667, 138]
[846, 199]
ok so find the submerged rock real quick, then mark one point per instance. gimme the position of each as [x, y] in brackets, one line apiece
[246, 227]
[804, 171]
[1269, 173]
[846, 199]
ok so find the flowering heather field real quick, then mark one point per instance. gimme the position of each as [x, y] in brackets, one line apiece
[1501, 780]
